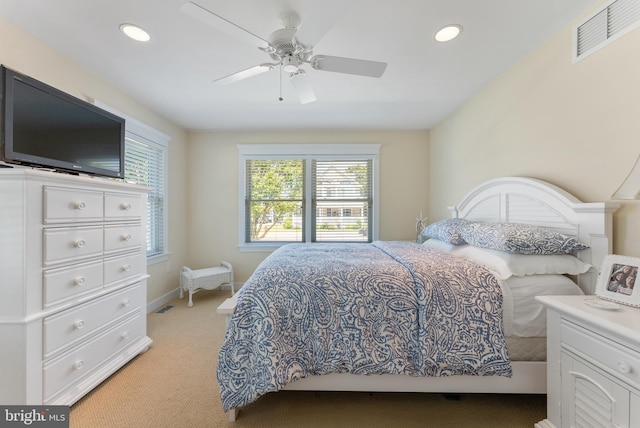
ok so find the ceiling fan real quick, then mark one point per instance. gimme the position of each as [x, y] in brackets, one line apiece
[291, 47]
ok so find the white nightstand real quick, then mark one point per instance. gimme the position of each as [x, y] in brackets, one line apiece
[593, 364]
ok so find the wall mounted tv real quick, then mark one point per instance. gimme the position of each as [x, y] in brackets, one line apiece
[45, 127]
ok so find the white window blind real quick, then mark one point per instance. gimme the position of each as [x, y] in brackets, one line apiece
[342, 200]
[274, 200]
[144, 164]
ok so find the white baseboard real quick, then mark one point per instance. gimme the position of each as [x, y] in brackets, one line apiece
[163, 300]
[236, 285]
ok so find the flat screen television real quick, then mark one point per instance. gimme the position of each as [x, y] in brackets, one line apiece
[42, 126]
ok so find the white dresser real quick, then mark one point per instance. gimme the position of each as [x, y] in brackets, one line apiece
[593, 364]
[72, 283]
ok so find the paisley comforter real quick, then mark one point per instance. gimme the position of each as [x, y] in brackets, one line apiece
[366, 309]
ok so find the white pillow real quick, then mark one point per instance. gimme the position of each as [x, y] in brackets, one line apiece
[506, 264]
[442, 246]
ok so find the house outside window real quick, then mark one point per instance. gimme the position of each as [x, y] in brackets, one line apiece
[307, 193]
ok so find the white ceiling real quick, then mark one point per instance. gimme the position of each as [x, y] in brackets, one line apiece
[172, 74]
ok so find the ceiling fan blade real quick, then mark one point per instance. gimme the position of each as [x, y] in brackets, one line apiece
[360, 67]
[322, 17]
[302, 88]
[244, 74]
[216, 21]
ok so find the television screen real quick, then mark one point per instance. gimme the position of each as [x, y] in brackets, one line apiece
[45, 127]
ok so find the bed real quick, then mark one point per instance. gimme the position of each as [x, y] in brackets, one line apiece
[362, 288]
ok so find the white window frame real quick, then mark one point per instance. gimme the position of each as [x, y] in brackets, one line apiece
[307, 152]
[136, 130]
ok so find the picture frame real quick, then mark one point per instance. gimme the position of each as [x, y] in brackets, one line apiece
[618, 280]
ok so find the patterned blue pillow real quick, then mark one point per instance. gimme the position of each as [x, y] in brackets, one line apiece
[446, 230]
[519, 238]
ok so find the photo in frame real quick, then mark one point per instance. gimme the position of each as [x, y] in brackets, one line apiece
[618, 280]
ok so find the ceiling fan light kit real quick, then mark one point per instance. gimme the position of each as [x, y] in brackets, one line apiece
[290, 64]
[292, 46]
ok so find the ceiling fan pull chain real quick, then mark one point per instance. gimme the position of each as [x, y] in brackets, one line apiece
[280, 97]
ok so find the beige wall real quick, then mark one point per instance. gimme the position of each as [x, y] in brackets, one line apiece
[213, 187]
[28, 55]
[575, 125]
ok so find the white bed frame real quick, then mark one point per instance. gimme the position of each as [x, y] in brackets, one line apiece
[512, 200]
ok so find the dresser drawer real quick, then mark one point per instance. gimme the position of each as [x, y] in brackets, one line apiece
[73, 325]
[72, 205]
[613, 357]
[65, 283]
[118, 206]
[123, 237]
[72, 243]
[78, 362]
[123, 267]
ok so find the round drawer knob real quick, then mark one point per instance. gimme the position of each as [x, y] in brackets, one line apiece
[125, 335]
[126, 237]
[125, 207]
[624, 367]
[80, 205]
[79, 243]
[126, 268]
[79, 324]
[126, 302]
[78, 281]
[78, 364]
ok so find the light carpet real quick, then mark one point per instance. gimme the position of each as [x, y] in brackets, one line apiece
[173, 384]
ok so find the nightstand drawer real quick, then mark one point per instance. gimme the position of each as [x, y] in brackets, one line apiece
[619, 360]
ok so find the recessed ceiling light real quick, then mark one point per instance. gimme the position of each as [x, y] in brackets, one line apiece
[135, 32]
[448, 33]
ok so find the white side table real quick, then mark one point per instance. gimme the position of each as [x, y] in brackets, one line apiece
[593, 364]
[205, 279]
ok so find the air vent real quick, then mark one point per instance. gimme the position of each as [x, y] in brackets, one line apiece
[606, 25]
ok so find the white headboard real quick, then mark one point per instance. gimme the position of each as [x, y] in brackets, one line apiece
[536, 202]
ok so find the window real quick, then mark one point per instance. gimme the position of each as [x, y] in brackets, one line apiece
[145, 163]
[307, 193]
[339, 188]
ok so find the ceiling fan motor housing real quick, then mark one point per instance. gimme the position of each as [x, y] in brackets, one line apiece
[282, 42]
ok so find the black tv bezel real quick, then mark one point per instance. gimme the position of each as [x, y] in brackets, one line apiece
[10, 156]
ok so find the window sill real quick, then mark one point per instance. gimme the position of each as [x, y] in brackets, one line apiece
[158, 258]
[260, 248]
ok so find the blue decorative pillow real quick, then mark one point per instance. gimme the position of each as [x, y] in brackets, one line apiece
[445, 230]
[519, 238]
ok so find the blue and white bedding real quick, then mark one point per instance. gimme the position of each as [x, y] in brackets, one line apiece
[365, 309]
